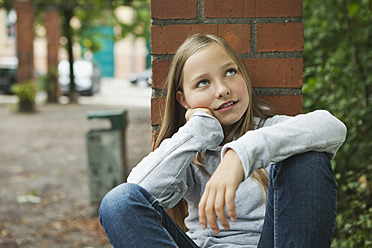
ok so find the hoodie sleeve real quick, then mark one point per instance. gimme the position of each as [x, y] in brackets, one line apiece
[166, 172]
[284, 136]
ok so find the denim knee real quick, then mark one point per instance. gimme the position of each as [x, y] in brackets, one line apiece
[311, 171]
[117, 201]
[313, 162]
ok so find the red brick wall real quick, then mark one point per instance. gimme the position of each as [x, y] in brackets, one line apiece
[268, 35]
[53, 34]
[25, 37]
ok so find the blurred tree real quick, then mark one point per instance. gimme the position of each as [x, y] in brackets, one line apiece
[90, 13]
[338, 77]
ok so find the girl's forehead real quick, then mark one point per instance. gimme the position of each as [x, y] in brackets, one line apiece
[213, 52]
[207, 61]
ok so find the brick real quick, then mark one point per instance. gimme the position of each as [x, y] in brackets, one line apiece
[155, 135]
[170, 9]
[224, 8]
[286, 105]
[275, 72]
[25, 20]
[159, 74]
[166, 40]
[280, 37]
[237, 35]
[157, 110]
[252, 8]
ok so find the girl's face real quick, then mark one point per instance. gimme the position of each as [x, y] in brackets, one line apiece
[211, 79]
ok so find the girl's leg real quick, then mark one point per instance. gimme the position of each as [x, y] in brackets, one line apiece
[301, 203]
[132, 217]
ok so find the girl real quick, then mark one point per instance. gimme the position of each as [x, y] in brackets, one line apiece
[215, 147]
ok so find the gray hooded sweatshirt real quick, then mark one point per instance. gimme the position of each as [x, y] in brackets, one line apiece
[169, 174]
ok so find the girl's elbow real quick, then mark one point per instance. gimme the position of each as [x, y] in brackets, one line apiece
[338, 127]
[343, 131]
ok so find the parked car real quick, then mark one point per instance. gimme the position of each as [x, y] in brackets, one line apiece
[144, 76]
[8, 73]
[87, 77]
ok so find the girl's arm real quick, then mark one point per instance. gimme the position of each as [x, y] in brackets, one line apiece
[166, 173]
[283, 136]
[280, 138]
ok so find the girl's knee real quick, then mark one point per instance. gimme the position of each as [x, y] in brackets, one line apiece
[120, 192]
[317, 162]
[117, 200]
[310, 169]
[312, 157]
[320, 164]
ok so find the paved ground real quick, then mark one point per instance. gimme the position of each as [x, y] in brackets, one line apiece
[44, 197]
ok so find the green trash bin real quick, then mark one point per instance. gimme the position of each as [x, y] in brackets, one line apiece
[106, 153]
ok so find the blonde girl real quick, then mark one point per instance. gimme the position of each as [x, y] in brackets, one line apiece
[250, 179]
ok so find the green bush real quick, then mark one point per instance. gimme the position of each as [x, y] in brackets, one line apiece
[338, 77]
[353, 222]
[26, 92]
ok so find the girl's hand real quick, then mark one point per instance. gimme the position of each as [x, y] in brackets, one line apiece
[220, 191]
[190, 112]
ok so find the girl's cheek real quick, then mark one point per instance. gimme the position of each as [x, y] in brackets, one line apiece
[200, 102]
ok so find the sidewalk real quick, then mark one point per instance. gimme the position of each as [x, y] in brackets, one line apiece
[44, 198]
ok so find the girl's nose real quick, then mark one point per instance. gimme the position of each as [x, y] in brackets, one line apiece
[222, 90]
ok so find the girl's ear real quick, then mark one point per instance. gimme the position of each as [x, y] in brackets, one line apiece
[181, 99]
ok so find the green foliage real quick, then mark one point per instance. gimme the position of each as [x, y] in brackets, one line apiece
[338, 77]
[354, 222]
[140, 27]
[47, 81]
[26, 91]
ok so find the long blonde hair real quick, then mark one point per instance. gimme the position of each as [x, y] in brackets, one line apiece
[174, 114]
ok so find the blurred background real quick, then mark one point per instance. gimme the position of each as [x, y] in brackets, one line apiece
[79, 57]
[69, 133]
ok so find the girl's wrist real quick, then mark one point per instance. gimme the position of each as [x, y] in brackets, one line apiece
[231, 155]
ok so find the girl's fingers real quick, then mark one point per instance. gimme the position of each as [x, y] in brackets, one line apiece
[230, 203]
[219, 205]
[220, 192]
[201, 210]
[207, 213]
[211, 207]
[210, 212]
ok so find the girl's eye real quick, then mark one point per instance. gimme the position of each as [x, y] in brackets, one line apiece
[230, 72]
[202, 83]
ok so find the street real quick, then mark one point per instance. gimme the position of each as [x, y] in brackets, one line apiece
[113, 91]
[120, 92]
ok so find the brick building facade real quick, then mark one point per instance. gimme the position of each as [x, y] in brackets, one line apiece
[25, 34]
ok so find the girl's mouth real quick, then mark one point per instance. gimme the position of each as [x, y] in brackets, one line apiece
[227, 106]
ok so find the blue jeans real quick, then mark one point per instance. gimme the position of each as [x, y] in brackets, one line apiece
[300, 211]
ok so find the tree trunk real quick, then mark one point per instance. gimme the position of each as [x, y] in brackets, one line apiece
[68, 13]
[26, 107]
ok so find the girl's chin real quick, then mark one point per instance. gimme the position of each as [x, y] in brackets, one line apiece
[227, 125]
